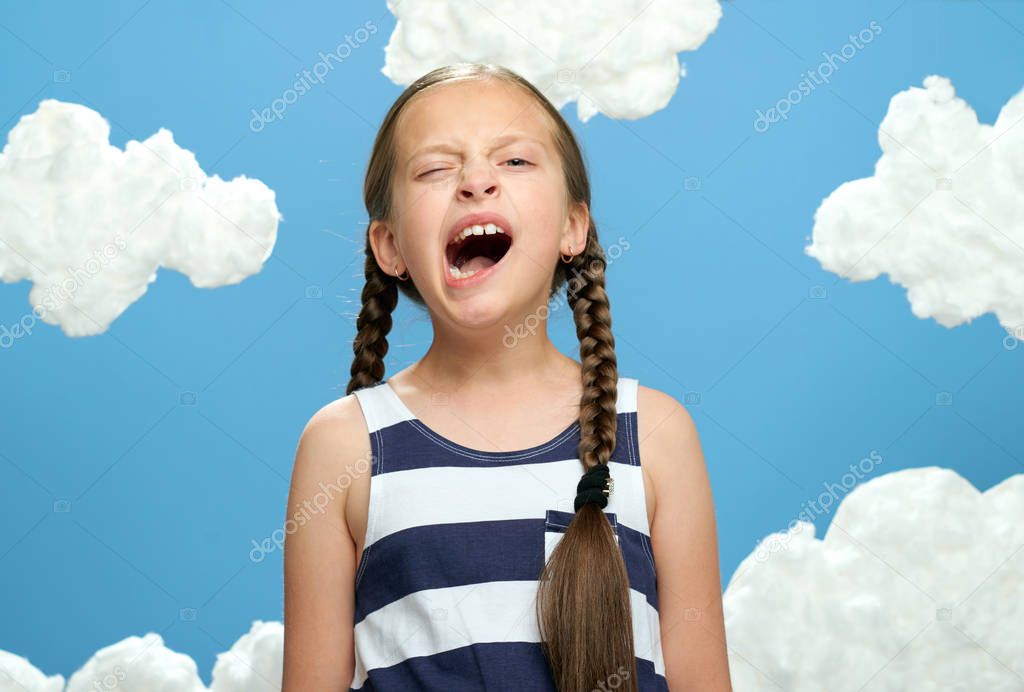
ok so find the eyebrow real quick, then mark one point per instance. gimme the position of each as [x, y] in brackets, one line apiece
[448, 147]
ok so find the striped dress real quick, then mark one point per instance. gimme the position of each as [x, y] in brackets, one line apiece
[455, 541]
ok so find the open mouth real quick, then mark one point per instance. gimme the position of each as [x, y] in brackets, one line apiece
[476, 248]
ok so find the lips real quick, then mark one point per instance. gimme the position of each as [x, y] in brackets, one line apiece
[468, 260]
[480, 218]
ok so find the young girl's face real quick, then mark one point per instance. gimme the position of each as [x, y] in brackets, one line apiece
[469, 148]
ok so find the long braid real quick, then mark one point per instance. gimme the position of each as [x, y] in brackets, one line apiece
[589, 303]
[380, 296]
[584, 585]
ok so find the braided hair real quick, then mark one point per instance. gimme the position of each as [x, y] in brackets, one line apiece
[583, 603]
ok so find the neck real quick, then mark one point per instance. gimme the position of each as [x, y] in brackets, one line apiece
[494, 360]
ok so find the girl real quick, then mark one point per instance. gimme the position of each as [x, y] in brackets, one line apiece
[483, 517]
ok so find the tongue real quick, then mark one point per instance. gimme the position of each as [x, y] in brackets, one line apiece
[477, 263]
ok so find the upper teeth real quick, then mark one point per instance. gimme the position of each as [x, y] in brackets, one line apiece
[477, 230]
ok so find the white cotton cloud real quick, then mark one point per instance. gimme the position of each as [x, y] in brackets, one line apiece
[18, 675]
[918, 584]
[89, 224]
[943, 215]
[254, 664]
[617, 57]
[145, 664]
[137, 664]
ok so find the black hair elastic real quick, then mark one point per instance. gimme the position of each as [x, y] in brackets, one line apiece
[595, 486]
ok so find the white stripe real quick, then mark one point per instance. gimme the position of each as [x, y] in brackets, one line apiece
[454, 494]
[501, 611]
[627, 395]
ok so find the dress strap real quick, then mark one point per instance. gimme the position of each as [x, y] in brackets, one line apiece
[381, 406]
[627, 394]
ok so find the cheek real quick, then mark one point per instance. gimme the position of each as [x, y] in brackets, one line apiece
[420, 215]
[421, 239]
[543, 213]
[540, 236]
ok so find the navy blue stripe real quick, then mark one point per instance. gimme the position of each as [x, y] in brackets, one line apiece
[506, 666]
[404, 442]
[635, 546]
[627, 441]
[502, 550]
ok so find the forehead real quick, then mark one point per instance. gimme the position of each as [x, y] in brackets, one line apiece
[469, 111]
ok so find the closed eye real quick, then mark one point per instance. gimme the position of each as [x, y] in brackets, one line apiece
[522, 163]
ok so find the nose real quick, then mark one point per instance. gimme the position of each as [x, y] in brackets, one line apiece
[478, 181]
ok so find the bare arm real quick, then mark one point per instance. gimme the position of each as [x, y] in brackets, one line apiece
[319, 555]
[685, 542]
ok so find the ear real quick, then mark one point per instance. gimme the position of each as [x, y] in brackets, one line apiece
[385, 247]
[574, 232]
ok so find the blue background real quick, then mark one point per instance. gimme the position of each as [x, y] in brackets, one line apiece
[715, 302]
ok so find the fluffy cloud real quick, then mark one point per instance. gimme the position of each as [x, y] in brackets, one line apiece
[943, 214]
[612, 56]
[137, 664]
[18, 675]
[89, 224]
[144, 664]
[254, 664]
[918, 584]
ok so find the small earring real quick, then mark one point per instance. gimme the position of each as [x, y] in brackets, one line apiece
[571, 256]
[399, 276]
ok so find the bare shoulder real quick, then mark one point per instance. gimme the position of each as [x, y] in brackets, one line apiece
[338, 422]
[334, 445]
[344, 412]
[664, 408]
[670, 450]
[666, 428]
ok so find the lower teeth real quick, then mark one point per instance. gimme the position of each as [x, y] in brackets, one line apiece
[459, 274]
